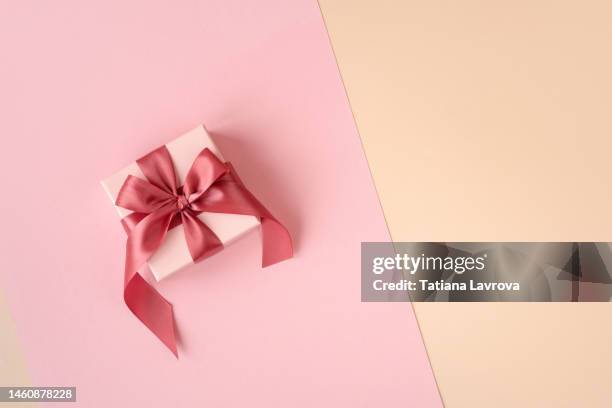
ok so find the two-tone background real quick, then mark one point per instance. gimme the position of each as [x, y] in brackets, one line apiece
[468, 121]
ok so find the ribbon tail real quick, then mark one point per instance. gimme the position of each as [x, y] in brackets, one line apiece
[141, 298]
[202, 242]
[152, 310]
[229, 195]
[277, 245]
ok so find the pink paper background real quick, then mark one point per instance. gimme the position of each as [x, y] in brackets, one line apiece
[89, 86]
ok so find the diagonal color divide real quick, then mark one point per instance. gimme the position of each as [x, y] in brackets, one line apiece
[485, 121]
[92, 86]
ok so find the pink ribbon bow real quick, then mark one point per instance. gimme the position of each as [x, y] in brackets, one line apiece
[159, 205]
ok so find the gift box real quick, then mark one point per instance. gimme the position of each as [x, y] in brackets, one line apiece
[179, 204]
[173, 254]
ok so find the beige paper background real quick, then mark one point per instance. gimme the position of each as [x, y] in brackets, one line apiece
[491, 121]
[13, 370]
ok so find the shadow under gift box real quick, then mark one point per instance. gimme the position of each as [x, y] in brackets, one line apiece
[173, 254]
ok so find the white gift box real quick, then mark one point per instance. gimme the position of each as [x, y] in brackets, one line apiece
[173, 254]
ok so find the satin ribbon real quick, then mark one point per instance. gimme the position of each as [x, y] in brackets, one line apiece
[158, 205]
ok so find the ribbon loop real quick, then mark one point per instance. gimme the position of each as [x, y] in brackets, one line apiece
[158, 168]
[141, 196]
[205, 170]
[158, 205]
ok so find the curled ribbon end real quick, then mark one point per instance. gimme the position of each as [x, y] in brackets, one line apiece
[152, 310]
[271, 260]
[170, 339]
[273, 231]
[174, 351]
[170, 343]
